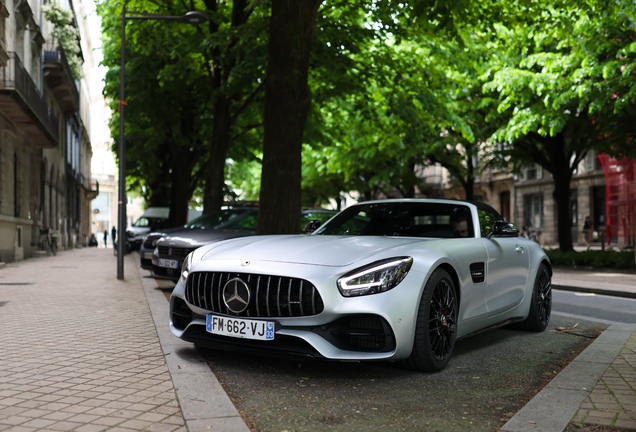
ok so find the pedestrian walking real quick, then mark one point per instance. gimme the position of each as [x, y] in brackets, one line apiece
[105, 238]
[588, 228]
[113, 235]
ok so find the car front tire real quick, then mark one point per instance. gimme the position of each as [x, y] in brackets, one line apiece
[541, 303]
[436, 326]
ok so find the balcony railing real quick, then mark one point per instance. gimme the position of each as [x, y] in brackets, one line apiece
[16, 78]
[59, 57]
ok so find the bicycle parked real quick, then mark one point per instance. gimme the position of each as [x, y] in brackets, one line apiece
[48, 241]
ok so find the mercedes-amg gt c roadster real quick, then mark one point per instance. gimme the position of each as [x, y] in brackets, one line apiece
[397, 280]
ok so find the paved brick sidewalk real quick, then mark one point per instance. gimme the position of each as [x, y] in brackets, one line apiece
[613, 399]
[79, 349]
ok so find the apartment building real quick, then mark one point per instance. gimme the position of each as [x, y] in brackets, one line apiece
[527, 200]
[45, 149]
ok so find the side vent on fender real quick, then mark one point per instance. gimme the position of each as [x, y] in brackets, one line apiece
[478, 272]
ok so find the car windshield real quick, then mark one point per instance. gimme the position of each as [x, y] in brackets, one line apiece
[245, 221]
[214, 219]
[402, 219]
[248, 220]
[142, 222]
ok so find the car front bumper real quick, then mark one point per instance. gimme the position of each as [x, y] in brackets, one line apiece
[372, 327]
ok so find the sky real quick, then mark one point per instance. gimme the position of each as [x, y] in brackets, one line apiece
[95, 26]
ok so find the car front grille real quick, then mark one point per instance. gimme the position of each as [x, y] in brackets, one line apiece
[174, 252]
[149, 241]
[270, 296]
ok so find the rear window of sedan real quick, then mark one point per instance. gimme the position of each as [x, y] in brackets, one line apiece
[402, 219]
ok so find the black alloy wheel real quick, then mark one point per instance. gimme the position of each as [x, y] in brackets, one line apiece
[436, 326]
[442, 322]
[544, 296]
[540, 302]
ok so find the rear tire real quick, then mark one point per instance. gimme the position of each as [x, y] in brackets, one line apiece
[436, 326]
[54, 247]
[541, 303]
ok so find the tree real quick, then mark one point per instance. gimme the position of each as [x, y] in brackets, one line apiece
[165, 129]
[189, 100]
[236, 55]
[287, 104]
[556, 98]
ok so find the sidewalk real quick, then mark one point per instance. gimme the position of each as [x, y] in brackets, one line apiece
[79, 350]
[112, 364]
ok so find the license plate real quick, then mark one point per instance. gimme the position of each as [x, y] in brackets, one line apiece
[168, 263]
[147, 255]
[240, 327]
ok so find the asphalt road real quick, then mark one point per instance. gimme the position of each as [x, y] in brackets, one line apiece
[594, 305]
[490, 377]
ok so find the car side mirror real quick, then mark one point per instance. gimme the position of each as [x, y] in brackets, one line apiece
[502, 228]
[312, 226]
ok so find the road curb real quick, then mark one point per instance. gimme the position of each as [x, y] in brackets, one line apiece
[592, 290]
[203, 401]
[571, 386]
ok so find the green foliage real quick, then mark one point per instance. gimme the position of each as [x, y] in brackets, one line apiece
[67, 35]
[592, 258]
[485, 223]
[243, 179]
[175, 76]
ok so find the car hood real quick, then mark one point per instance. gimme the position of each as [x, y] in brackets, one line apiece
[136, 231]
[321, 250]
[197, 238]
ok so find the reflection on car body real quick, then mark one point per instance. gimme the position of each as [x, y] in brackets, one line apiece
[382, 280]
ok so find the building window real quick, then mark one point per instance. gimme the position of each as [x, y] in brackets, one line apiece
[533, 210]
[533, 172]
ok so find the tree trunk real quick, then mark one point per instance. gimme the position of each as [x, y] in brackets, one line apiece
[287, 103]
[180, 195]
[561, 196]
[180, 190]
[215, 168]
[561, 171]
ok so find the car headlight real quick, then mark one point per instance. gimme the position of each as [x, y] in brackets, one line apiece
[375, 278]
[187, 263]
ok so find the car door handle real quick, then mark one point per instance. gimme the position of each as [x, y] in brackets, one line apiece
[519, 249]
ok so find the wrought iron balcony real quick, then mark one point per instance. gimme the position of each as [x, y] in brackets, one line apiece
[22, 103]
[60, 80]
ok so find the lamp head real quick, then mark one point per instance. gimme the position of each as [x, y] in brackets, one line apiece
[194, 18]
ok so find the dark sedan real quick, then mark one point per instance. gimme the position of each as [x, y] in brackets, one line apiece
[171, 250]
[206, 222]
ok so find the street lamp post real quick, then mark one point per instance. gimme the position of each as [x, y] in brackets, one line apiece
[194, 18]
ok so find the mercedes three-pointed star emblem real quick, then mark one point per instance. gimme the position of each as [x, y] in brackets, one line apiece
[236, 295]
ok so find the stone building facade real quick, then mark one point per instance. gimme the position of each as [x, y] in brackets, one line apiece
[45, 149]
[527, 199]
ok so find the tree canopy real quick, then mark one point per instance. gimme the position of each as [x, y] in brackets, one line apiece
[393, 87]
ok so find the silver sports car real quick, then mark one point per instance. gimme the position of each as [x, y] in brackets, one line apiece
[383, 280]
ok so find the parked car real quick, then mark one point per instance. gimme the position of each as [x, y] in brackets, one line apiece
[383, 280]
[171, 250]
[206, 222]
[153, 219]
